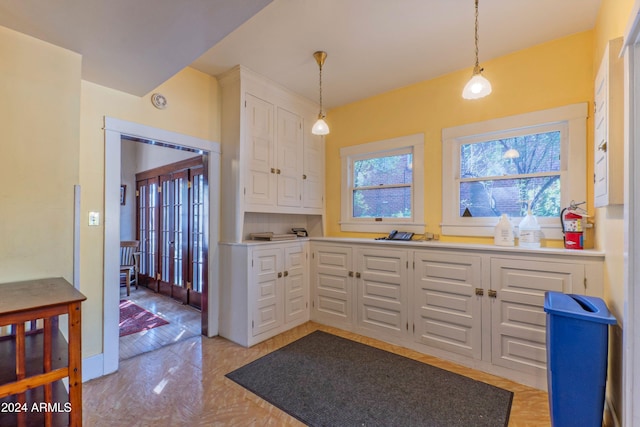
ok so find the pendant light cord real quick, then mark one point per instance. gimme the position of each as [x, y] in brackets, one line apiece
[321, 110]
[476, 39]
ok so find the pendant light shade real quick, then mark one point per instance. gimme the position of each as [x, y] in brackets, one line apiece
[478, 86]
[320, 127]
[511, 153]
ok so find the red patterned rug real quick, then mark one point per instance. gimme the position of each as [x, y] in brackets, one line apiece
[135, 319]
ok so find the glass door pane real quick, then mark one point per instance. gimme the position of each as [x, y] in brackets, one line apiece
[197, 238]
[146, 230]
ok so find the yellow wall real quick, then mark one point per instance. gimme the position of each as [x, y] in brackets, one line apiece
[53, 139]
[557, 73]
[545, 76]
[192, 109]
[611, 23]
[39, 118]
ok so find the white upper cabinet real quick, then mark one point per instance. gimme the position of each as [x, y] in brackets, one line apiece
[289, 158]
[608, 128]
[271, 163]
[260, 183]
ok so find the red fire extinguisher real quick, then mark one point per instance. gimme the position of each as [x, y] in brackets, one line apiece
[572, 228]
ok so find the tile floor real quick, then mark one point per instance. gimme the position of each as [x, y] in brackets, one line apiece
[183, 384]
[184, 322]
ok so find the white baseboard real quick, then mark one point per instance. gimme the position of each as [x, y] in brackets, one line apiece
[92, 367]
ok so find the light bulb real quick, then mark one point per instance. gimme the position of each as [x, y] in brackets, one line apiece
[320, 127]
[477, 87]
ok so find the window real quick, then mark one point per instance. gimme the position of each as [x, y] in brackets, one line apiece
[383, 185]
[499, 166]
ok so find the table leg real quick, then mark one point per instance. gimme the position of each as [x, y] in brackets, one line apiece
[46, 362]
[21, 369]
[75, 365]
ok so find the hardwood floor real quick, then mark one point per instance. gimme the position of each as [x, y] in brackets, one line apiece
[184, 322]
[184, 384]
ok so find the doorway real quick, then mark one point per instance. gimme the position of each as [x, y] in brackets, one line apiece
[115, 131]
[171, 214]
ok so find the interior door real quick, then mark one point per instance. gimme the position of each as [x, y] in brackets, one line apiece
[198, 249]
[172, 226]
[147, 219]
[173, 235]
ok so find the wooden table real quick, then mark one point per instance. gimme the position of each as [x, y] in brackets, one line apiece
[46, 299]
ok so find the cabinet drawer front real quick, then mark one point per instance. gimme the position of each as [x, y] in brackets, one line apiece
[381, 306]
[265, 315]
[382, 289]
[333, 284]
[337, 260]
[518, 318]
[447, 311]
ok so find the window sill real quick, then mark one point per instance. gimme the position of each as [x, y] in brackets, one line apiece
[384, 226]
[552, 232]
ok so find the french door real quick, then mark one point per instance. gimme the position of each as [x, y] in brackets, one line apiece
[147, 230]
[172, 217]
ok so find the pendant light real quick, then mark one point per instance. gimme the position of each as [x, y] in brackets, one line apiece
[320, 127]
[511, 153]
[478, 86]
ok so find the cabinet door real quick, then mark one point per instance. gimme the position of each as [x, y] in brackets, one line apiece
[382, 290]
[600, 138]
[608, 136]
[260, 145]
[313, 174]
[518, 320]
[333, 285]
[447, 311]
[295, 291]
[290, 162]
[265, 298]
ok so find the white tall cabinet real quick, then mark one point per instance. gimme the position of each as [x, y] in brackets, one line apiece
[271, 163]
[272, 180]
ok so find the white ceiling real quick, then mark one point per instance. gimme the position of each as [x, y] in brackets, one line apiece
[130, 45]
[373, 45]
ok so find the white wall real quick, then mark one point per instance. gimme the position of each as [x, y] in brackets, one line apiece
[139, 157]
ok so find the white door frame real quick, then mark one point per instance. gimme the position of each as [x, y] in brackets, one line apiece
[631, 323]
[114, 130]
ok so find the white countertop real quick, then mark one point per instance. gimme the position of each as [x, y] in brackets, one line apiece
[416, 244]
[464, 246]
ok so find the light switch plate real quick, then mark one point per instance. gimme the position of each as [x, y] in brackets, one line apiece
[94, 218]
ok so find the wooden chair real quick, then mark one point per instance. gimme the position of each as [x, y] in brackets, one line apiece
[129, 263]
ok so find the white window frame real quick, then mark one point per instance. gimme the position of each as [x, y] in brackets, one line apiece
[570, 119]
[387, 147]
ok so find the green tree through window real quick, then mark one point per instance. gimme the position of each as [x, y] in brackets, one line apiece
[382, 187]
[503, 175]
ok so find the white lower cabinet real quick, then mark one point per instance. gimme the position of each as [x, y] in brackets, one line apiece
[381, 291]
[367, 291]
[480, 308]
[264, 290]
[332, 285]
[446, 304]
[518, 320]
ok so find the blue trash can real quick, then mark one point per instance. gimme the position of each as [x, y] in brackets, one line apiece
[577, 348]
